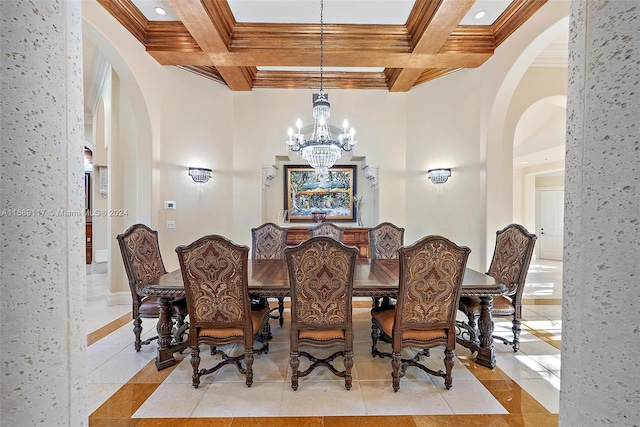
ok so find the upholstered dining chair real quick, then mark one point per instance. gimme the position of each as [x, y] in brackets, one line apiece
[268, 242]
[385, 240]
[431, 272]
[321, 273]
[143, 264]
[214, 273]
[327, 229]
[511, 258]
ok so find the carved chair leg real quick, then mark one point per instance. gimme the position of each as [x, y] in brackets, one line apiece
[448, 365]
[294, 362]
[182, 314]
[281, 311]
[137, 329]
[248, 360]
[516, 334]
[375, 335]
[195, 363]
[348, 364]
[396, 364]
[265, 332]
[473, 324]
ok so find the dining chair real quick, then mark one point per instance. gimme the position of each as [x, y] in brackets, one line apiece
[268, 242]
[143, 264]
[511, 258]
[321, 273]
[385, 240]
[214, 273]
[327, 229]
[431, 272]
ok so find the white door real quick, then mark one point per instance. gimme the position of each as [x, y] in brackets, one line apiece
[551, 222]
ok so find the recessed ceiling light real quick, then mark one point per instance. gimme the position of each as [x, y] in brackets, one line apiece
[524, 163]
[160, 11]
[480, 14]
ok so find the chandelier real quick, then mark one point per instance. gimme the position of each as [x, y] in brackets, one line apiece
[321, 149]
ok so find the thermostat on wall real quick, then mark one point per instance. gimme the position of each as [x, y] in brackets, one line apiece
[169, 205]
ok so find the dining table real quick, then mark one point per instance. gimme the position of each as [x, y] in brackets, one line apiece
[375, 278]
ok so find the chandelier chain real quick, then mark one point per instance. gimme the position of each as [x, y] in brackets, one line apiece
[320, 149]
[321, 43]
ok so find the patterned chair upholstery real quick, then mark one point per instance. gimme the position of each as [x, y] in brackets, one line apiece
[511, 259]
[321, 273]
[386, 239]
[431, 272]
[327, 229]
[214, 272]
[143, 264]
[268, 242]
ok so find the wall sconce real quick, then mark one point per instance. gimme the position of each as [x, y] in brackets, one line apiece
[200, 175]
[439, 176]
[371, 173]
[268, 173]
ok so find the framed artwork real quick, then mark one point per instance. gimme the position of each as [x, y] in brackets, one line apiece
[306, 195]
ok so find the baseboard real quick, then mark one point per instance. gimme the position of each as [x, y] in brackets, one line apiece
[542, 301]
[119, 298]
[101, 255]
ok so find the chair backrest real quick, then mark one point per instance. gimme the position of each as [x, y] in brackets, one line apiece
[328, 229]
[431, 272]
[268, 241]
[386, 239]
[321, 273]
[140, 252]
[511, 258]
[214, 273]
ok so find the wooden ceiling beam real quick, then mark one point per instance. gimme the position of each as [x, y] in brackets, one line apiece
[444, 21]
[197, 20]
[332, 80]
[345, 59]
[208, 41]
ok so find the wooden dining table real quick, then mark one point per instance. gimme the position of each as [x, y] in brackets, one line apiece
[374, 278]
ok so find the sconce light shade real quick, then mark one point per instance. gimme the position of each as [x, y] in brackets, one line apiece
[200, 175]
[439, 176]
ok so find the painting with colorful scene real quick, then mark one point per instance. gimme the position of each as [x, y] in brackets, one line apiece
[305, 193]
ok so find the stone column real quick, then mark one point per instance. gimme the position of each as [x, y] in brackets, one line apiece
[600, 383]
[43, 339]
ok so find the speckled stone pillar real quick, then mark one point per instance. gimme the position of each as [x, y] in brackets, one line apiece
[600, 380]
[43, 338]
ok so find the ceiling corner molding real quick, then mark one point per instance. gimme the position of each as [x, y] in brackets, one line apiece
[518, 12]
[127, 14]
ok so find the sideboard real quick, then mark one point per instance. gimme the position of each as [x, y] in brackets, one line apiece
[353, 236]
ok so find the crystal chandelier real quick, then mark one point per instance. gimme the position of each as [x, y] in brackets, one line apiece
[321, 149]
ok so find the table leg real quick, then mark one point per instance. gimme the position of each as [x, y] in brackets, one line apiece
[486, 356]
[165, 357]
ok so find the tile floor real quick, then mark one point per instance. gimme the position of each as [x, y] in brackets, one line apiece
[125, 388]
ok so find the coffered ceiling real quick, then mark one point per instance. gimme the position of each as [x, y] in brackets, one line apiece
[368, 44]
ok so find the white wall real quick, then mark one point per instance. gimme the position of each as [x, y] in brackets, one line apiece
[443, 130]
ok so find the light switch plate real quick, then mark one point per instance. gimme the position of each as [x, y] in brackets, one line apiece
[171, 224]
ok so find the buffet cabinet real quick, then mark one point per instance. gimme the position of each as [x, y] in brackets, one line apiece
[353, 236]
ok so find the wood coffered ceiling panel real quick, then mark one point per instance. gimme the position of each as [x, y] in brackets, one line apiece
[208, 41]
